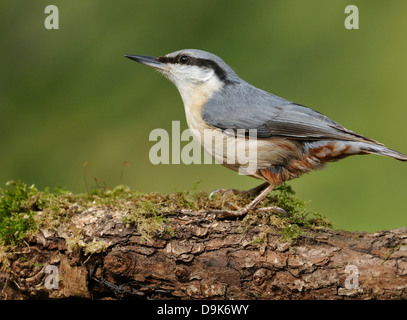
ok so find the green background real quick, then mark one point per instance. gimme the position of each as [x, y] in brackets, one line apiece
[68, 96]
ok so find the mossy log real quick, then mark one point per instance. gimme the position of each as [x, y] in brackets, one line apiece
[198, 255]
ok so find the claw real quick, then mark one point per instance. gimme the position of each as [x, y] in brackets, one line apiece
[222, 192]
[213, 192]
[274, 209]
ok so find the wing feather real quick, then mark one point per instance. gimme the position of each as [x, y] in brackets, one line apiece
[242, 106]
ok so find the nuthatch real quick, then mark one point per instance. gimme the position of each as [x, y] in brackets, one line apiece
[291, 138]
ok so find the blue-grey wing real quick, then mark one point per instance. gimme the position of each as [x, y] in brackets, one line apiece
[246, 107]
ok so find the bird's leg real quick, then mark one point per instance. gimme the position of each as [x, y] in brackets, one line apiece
[258, 189]
[254, 190]
[252, 205]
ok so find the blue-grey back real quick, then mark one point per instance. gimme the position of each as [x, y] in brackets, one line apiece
[242, 106]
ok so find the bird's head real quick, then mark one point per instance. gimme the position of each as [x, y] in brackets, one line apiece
[191, 69]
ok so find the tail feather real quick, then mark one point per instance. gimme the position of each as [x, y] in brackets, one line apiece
[333, 150]
[384, 151]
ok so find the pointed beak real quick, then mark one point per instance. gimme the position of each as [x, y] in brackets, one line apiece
[148, 61]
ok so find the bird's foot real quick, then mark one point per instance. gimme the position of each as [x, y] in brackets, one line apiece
[223, 192]
[243, 211]
[265, 189]
[274, 209]
[254, 190]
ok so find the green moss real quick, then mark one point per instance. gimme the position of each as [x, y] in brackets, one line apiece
[291, 232]
[258, 241]
[300, 219]
[17, 209]
[24, 209]
[77, 244]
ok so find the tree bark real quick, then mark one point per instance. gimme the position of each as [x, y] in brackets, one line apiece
[201, 256]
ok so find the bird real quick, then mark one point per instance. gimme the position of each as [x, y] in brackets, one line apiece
[290, 139]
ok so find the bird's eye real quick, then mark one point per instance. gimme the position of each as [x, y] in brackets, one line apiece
[183, 59]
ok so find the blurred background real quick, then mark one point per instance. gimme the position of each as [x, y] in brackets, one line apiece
[68, 96]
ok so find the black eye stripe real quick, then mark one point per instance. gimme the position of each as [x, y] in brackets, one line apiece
[221, 74]
[178, 59]
[168, 59]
